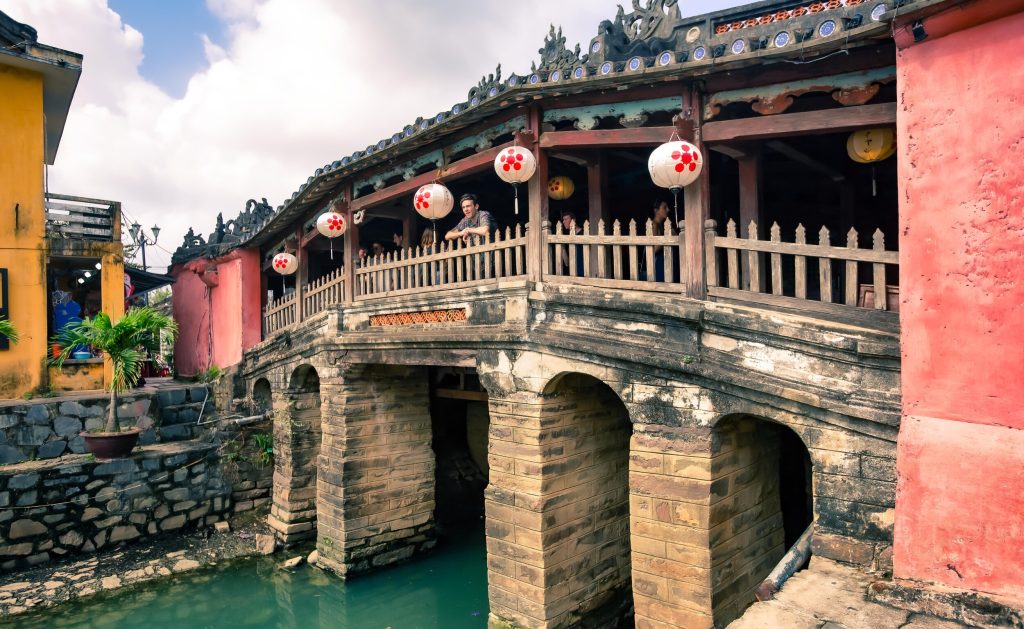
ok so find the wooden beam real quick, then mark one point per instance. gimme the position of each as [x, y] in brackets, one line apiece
[803, 123]
[750, 207]
[350, 251]
[465, 166]
[538, 195]
[604, 138]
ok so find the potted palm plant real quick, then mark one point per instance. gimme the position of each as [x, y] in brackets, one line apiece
[124, 343]
[8, 331]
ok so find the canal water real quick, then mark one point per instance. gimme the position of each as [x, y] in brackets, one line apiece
[445, 589]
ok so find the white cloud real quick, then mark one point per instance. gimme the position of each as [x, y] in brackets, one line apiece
[299, 84]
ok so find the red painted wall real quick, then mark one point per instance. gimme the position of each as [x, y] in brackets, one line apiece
[959, 511]
[226, 292]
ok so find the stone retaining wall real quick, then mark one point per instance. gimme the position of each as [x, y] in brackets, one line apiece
[50, 509]
[49, 428]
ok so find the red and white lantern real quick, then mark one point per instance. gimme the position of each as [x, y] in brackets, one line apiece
[433, 201]
[675, 165]
[285, 263]
[331, 224]
[515, 165]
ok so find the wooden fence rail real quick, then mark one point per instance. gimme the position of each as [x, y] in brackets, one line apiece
[840, 269]
[278, 314]
[323, 292]
[80, 218]
[451, 265]
[646, 262]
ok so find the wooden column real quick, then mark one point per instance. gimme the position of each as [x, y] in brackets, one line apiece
[750, 207]
[597, 188]
[351, 252]
[302, 274]
[697, 208]
[538, 195]
[409, 235]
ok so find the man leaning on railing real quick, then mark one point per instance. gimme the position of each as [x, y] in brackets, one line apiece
[476, 224]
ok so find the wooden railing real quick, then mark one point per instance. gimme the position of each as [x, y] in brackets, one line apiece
[452, 265]
[797, 270]
[321, 293]
[645, 262]
[278, 314]
[80, 218]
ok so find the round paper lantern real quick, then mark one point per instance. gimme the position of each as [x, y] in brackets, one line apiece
[331, 224]
[285, 263]
[433, 201]
[560, 188]
[871, 145]
[675, 164]
[515, 164]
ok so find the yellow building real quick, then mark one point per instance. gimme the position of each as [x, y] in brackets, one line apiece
[54, 250]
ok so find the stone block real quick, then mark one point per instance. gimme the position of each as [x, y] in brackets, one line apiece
[9, 420]
[177, 494]
[173, 522]
[71, 408]
[51, 449]
[91, 513]
[94, 423]
[197, 394]
[38, 414]
[16, 550]
[840, 548]
[73, 539]
[26, 528]
[34, 436]
[23, 481]
[170, 397]
[119, 466]
[11, 455]
[67, 426]
[174, 433]
[265, 544]
[123, 533]
[77, 445]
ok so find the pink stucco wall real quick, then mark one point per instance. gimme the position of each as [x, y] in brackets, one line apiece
[223, 293]
[959, 511]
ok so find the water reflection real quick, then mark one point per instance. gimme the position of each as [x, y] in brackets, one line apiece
[446, 589]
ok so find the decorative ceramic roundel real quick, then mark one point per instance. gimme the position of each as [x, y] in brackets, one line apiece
[876, 13]
[424, 124]
[395, 138]
[409, 130]
[665, 58]
[606, 67]
[556, 75]
[781, 39]
[284, 263]
[693, 34]
[439, 118]
[456, 109]
[675, 164]
[595, 47]
[331, 224]
[513, 80]
[534, 79]
[381, 144]
[475, 101]
[492, 92]
[515, 164]
[433, 201]
[738, 46]
[698, 53]
[827, 28]
[577, 73]
[634, 63]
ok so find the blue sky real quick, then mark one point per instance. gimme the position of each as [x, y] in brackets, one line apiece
[172, 31]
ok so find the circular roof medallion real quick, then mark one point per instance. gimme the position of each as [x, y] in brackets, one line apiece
[595, 47]
[738, 46]
[827, 28]
[606, 67]
[578, 73]
[781, 39]
[665, 58]
[534, 79]
[878, 11]
[693, 34]
[556, 75]
[699, 53]
[634, 63]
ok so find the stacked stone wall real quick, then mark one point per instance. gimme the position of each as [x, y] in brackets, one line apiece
[376, 473]
[297, 437]
[49, 510]
[49, 428]
[747, 536]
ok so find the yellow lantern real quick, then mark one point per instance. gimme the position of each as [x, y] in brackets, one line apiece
[871, 145]
[560, 188]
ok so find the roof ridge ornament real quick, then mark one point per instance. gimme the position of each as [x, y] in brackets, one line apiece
[555, 56]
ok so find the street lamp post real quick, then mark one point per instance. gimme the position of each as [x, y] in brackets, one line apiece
[140, 240]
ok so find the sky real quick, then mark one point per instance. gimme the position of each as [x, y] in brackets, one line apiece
[187, 108]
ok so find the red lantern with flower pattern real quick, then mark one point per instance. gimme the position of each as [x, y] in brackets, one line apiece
[433, 201]
[331, 224]
[515, 165]
[674, 165]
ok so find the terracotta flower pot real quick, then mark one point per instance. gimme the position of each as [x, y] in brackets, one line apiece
[111, 445]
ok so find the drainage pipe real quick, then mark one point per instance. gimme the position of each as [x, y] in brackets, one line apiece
[793, 559]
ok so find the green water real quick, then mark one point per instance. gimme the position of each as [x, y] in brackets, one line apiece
[447, 588]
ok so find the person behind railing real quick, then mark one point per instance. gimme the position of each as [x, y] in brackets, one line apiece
[571, 227]
[427, 247]
[476, 223]
[659, 214]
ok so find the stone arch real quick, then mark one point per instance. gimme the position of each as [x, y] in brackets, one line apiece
[761, 502]
[262, 395]
[297, 440]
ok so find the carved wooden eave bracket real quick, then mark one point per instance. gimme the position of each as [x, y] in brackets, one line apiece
[854, 88]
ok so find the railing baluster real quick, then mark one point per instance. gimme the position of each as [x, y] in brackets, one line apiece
[881, 298]
[851, 269]
[602, 261]
[634, 263]
[800, 264]
[586, 250]
[732, 257]
[775, 235]
[520, 251]
[616, 252]
[753, 261]
[824, 268]
[652, 272]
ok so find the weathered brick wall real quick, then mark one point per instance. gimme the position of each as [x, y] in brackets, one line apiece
[747, 535]
[297, 437]
[376, 479]
[557, 506]
[50, 510]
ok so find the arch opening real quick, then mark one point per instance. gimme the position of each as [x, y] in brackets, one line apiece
[762, 501]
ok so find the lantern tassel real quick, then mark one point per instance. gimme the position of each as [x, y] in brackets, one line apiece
[433, 222]
[332, 249]
[516, 188]
[675, 203]
[874, 186]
